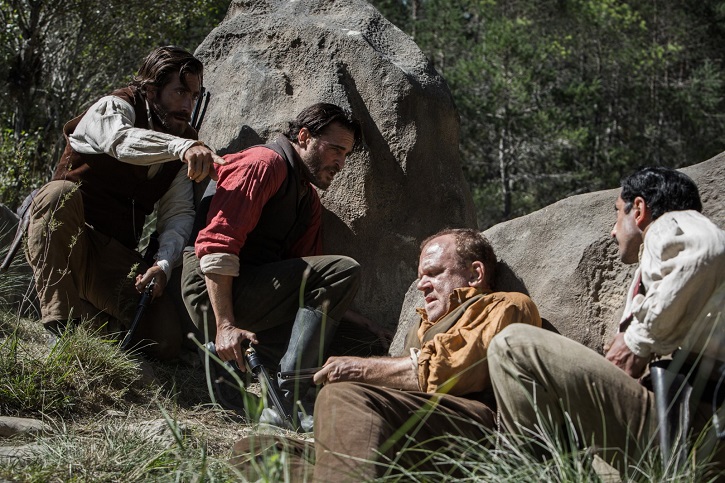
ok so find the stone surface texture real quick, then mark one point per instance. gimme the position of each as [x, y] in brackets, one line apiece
[564, 257]
[268, 60]
[11, 426]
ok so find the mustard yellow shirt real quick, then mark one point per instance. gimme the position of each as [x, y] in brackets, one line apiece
[452, 357]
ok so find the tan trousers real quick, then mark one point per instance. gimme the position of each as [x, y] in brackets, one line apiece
[355, 423]
[542, 379]
[80, 272]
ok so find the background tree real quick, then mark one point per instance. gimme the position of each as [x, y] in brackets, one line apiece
[559, 98]
[58, 56]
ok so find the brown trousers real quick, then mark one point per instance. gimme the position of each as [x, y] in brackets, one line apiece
[363, 431]
[542, 379]
[82, 273]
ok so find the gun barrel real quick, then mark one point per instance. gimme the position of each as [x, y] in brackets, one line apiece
[301, 375]
[143, 304]
[258, 369]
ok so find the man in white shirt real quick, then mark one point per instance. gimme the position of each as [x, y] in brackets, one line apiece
[674, 305]
[131, 151]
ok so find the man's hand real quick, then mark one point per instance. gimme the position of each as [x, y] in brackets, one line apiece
[620, 355]
[229, 341]
[339, 369]
[200, 161]
[153, 273]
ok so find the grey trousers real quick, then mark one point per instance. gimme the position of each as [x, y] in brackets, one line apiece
[544, 380]
[357, 423]
[82, 273]
[266, 297]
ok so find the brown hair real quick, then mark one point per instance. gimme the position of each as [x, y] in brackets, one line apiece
[163, 62]
[471, 246]
[318, 116]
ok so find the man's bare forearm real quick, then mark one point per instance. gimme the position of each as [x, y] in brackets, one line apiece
[394, 372]
[219, 288]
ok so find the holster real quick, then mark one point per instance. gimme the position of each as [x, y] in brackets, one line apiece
[672, 401]
[24, 214]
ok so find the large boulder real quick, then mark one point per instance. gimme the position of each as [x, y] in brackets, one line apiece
[270, 59]
[563, 256]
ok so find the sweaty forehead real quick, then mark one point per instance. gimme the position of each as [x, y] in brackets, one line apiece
[437, 252]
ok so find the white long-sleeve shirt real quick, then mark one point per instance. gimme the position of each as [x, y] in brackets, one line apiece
[108, 127]
[682, 267]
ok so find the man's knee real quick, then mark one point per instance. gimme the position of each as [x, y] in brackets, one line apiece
[54, 196]
[347, 268]
[337, 396]
[513, 335]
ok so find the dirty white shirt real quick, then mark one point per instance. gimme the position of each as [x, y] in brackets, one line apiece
[682, 267]
[108, 127]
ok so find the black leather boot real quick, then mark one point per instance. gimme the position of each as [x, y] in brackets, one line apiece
[312, 333]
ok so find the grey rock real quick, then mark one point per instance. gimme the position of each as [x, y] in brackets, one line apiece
[270, 59]
[564, 258]
[11, 426]
[10, 454]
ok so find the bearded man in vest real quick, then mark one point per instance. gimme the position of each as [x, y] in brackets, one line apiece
[257, 273]
[130, 151]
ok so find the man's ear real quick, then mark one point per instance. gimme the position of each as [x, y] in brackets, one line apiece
[150, 92]
[642, 213]
[477, 276]
[303, 137]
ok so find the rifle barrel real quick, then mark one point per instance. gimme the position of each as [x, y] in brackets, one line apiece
[143, 304]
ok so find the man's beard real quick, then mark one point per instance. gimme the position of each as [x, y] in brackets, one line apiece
[168, 119]
[318, 174]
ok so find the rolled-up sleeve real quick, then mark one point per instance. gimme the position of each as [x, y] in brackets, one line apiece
[246, 183]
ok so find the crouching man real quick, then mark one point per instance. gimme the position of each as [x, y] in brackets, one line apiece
[261, 245]
[375, 406]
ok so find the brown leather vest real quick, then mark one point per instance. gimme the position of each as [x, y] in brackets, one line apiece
[117, 196]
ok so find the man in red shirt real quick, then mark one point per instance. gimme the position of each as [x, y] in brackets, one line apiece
[258, 262]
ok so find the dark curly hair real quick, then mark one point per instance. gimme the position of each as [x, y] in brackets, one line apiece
[663, 189]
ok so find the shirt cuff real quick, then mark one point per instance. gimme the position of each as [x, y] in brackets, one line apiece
[635, 344]
[220, 264]
[166, 267]
[178, 147]
[414, 361]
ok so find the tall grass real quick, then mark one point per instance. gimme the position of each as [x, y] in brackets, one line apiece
[91, 394]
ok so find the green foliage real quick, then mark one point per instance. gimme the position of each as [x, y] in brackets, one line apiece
[117, 450]
[21, 166]
[56, 57]
[560, 98]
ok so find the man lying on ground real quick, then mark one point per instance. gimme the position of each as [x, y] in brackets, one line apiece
[440, 388]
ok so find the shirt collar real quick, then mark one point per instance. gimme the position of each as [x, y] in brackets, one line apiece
[456, 298]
